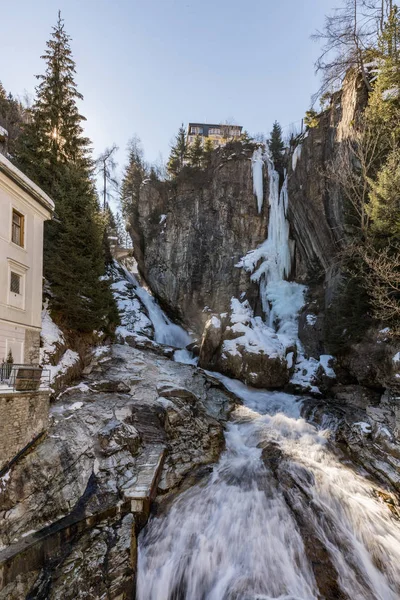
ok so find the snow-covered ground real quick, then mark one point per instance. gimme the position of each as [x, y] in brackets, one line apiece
[52, 341]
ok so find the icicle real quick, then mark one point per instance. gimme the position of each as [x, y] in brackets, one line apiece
[257, 164]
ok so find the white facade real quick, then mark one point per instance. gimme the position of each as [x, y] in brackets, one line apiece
[23, 209]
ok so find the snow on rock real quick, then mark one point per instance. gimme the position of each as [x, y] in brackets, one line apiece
[163, 218]
[51, 336]
[69, 359]
[257, 163]
[326, 361]
[141, 315]
[3, 132]
[252, 334]
[396, 359]
[365, 428]
[81, 387]
[134, 319]
[311, 319]
[390, 94]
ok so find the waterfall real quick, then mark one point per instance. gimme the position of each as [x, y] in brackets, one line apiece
[280, 517]
[165, 331]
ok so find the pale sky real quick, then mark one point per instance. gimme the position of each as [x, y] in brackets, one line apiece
[144, 67]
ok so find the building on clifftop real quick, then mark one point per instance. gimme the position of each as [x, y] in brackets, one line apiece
[218, 134]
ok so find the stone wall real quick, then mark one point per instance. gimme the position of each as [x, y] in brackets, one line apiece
[24, 415]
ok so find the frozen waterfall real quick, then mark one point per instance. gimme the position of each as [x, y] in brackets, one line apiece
[280, 517]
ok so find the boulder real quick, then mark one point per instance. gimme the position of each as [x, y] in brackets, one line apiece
[117, 435]
[241, 346]
[110, 386]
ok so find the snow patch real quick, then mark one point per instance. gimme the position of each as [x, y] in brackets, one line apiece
[363, 427]
[396, 358]
[68, 360]
[51, 335]
[390, 94]
[311, 319]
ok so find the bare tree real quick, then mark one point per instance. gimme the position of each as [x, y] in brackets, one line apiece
[346, 35]
[106, 168]
[382, 283]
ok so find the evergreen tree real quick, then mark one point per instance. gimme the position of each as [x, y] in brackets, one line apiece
[179, 153]
[54, 152]
[135, 172]
[383, 126]
[384, 206]
[56, 130]
[195, 152]
[208, 149]
[277, 147]
[12, 115]
[245, 137]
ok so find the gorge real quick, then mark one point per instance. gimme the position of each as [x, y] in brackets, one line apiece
[225, 445]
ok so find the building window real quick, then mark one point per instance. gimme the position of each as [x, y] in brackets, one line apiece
[15, 283]
[17, 233]
[214, 131]
[196, 130]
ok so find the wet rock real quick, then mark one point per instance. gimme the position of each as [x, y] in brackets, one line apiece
[116, 436]
[188, 259]
[251, 364]
[110, 386]
[96, 449]
[145, 344]
[356, 395]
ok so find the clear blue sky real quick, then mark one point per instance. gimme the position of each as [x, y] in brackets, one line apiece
[146, 66]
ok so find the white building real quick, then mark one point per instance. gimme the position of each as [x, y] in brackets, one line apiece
[23, 209]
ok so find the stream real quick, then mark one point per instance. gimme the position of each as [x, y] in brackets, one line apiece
[279, 518]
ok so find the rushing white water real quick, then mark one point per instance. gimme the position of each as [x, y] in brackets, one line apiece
[240, 534]
[279, 517]
[165, 331]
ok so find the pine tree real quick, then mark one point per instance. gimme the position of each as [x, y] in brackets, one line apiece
[383, 126]
[195, 152]
[245, 137]
[384, 206]
[179, 153]
[54, 152]
[277, 147]
[134, 174]
[208, 149]
[56, 128]
[11, 118]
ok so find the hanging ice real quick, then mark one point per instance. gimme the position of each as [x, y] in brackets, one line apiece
[257, 164]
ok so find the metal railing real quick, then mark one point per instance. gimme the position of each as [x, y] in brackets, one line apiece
[23, 377]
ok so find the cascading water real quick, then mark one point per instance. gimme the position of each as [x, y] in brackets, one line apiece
[279, 517]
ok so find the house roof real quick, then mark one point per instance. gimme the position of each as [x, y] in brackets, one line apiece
[214, 125]
[25, 183]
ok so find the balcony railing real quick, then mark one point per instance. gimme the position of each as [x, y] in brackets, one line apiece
[24, 378]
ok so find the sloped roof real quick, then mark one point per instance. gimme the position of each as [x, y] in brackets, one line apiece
[25, 183]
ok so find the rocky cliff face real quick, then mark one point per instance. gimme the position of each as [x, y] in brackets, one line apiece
[189, 235]
[316, 206]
